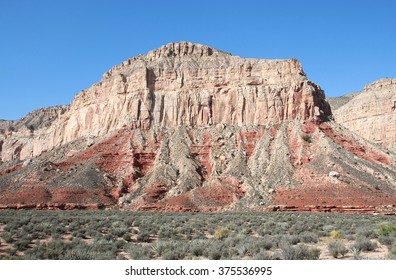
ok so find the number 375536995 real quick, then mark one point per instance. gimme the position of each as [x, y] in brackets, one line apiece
[244, 270]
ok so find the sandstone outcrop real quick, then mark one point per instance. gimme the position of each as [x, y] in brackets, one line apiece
[179, 84]
[17, 138]
[371, 113]
[187, 127]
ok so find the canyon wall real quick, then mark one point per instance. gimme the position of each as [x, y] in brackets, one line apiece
[372, 113]
[187, 127]
[178, 84]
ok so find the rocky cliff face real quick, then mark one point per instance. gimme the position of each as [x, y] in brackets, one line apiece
[190, 128]
[17, 137]
[372, 113]
[180, 84]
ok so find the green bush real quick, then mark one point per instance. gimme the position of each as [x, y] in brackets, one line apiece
[307, 138]
[7, 237]
[143, 236]
[21, 245]
[118, 229]
[386, 230]
[167, 232]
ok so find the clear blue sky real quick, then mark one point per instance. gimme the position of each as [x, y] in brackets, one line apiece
[50, 50]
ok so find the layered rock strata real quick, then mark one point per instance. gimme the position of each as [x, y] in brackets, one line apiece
[187, 127]
[371, 113]
[179, 84]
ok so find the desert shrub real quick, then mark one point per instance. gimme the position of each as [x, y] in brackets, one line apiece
[186, 230]
[120, 243]
[119, 232]
[337, 248]
[234, 239]
[199, 235]
[21, 245]
[267, 243]
[101, 249]
[58, 229]
[127, 237]
[356, 253]
[387, 240]
[273, 228]
[393, 249]
[291, 239]
[299, 252]
[251, 246]
[143, 236]
[81, 233]
[264, 255]
[221, 233]
[80, 253]
[386, 230]
[35, 235]
[307, 138]
[308, 237]
[138, 252]
[366, 233]
[242, 251]
[167, 232]
[118, 228]
[173, 255]
[298, 227]
[170, 249]
[7, 237]
[198, 247]
[73, 226]
[350, 237]
[98, 250]
[335, 234]
[28, 228]
[158, 248]
[365, 245]
[53, 250]
[11, 254]
[215, 253]
[328, 228]
[108, 237]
